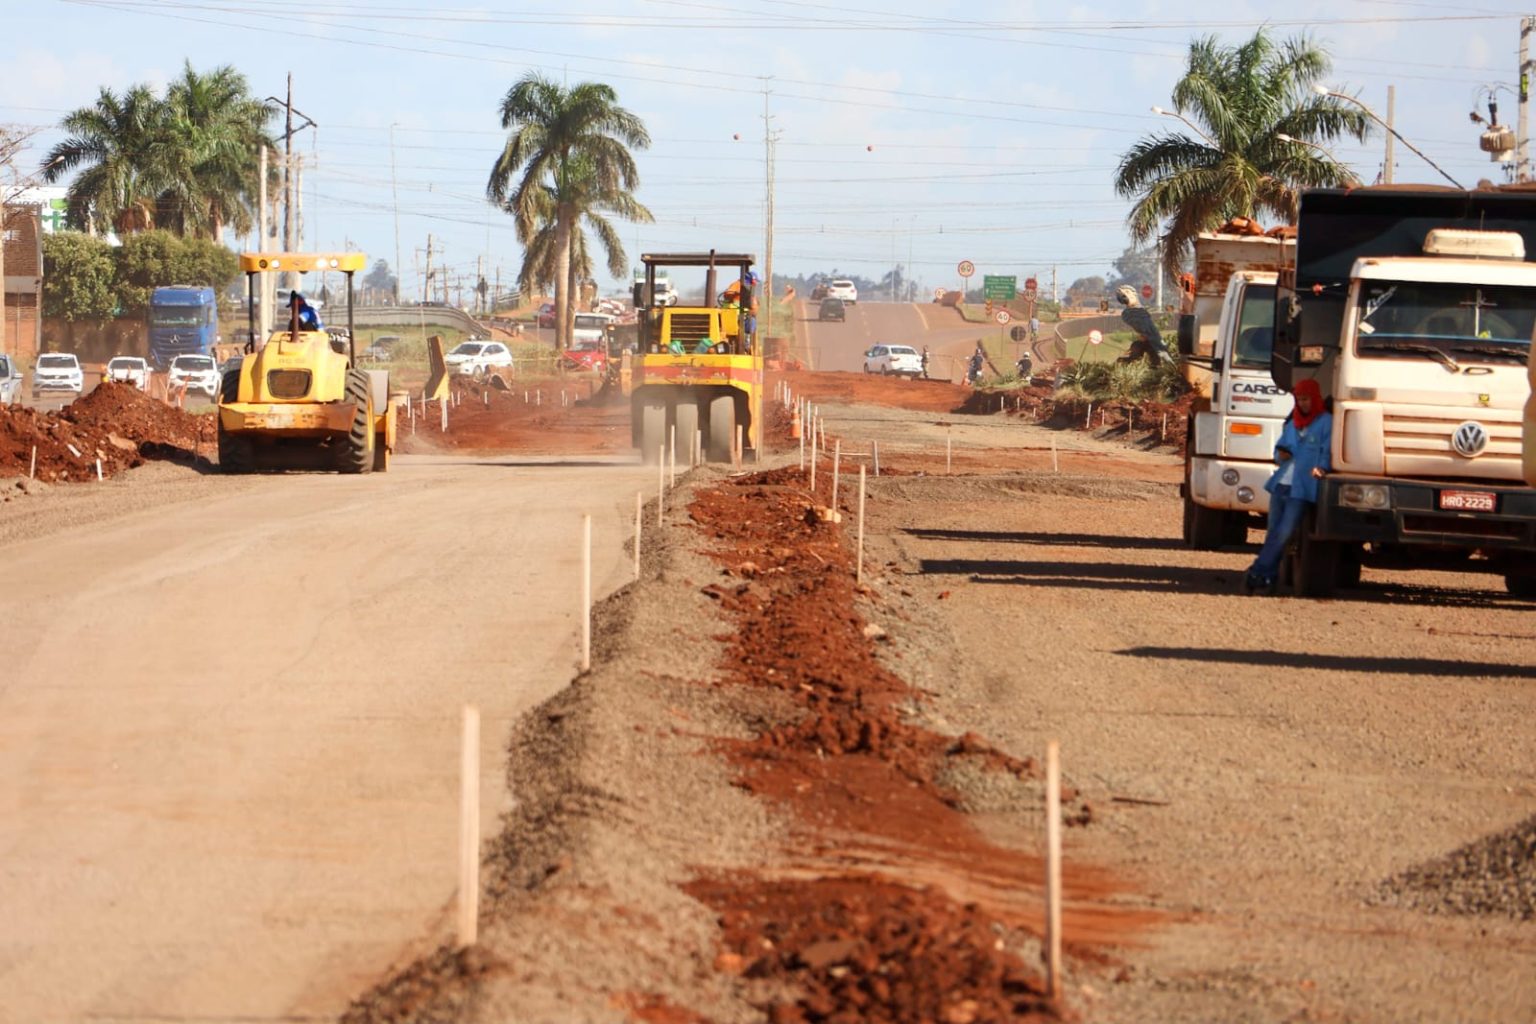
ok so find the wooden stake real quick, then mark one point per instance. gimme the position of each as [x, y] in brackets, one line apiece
[813, 457]
[741, 446]
[1088, 422]
[639, 505]
[661, 485]
[802, 451]
[859, 575]
[837, 468]
[1053, 869]
[1055, 461]
[32, 468]
[698, 447]
[586, 592]
[1163, 434]
[98, 471]
[444, 405]
[469, 828]
[672, 456]
[877, 457]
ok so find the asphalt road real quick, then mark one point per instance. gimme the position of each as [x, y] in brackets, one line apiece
[834, 345]
[229, 721]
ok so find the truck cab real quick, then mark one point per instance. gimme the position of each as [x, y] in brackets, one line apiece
[183, 320]
[1225, 342]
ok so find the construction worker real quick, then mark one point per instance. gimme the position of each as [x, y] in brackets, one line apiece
[309, 320]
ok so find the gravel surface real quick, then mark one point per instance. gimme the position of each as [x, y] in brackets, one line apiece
[1495, 875]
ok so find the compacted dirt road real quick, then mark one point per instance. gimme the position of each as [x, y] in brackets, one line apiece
[229, 720]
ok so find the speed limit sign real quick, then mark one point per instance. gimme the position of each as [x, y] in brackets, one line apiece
[938, 294]
[966, 268]
[1002, 317]
[1095, 338]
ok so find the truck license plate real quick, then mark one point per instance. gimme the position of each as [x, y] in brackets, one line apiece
[1468, 501]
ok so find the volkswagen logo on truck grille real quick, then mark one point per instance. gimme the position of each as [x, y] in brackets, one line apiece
[1470, 439]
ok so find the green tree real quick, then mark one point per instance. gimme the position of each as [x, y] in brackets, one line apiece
[152, 259]
[585, 194]
[111, 141]
[188, 162]
[381, 283]
[558, 134]
[206, 153]
[1240, 100]
[79, 277]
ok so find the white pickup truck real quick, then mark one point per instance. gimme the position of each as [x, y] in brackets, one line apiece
[129, 370]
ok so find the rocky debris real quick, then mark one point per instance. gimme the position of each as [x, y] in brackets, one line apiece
[116, 423]
[1495, 875]
[437, 989]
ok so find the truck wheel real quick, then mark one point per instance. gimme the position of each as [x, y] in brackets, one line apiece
[686, 416]
[354, 452]
[1315, 570]
[653, 431]
[722, 427]
[1348, 576]
[1234, 530]
[1521, 586]
[1205, 529]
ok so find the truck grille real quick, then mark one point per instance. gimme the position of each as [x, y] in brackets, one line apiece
[688, 329]
[1418, 443]
[288, 383]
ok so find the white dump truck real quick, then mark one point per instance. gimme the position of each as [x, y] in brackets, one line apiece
[1414, 310]
[1226, 333]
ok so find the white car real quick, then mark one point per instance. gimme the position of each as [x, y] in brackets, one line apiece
[57, 371]
[10, 380]
[129, 370]
[844, 289]
[478, 356]
[194, 373]
[898, 359]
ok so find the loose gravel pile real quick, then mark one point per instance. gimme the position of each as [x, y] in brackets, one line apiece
[1494, 876]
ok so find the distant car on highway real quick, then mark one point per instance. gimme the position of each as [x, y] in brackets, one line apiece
[586, 355]
[57, 371]
[844, 289]
[832, 309]
[546, 315]
[195, 373]
[10, 380]
[129, 370]
[382, 349]
[477, 356]
[819, 292]
[903, 360]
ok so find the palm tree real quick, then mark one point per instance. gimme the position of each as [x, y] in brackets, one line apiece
[558, 133]
[1245, 97]
[111, 140]
[206, 153]
[585, 195]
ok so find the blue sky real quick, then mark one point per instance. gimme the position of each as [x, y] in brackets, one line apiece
[933, 133]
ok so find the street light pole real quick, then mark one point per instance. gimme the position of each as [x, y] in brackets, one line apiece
[1323, 90]
[1188, 123]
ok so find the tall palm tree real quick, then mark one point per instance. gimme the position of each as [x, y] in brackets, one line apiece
[206, 153]
[111, 140]
[1240, 100]
[583, 193]
[558, 133]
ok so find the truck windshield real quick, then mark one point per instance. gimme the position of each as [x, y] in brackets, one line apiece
[178, 316]
[1448, 323]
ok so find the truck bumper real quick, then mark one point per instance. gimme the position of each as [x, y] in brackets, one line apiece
[1209, 490]
[1412, 514]
[294, 419]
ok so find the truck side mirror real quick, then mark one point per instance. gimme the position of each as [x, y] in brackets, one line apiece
[1189, 333]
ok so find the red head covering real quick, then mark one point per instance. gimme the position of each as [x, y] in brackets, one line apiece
[1307, 387]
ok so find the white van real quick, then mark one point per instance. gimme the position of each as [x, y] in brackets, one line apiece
[589, 330]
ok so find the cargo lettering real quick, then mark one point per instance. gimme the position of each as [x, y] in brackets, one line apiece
[1246, 388]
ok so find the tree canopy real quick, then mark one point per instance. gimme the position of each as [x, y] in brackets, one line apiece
[1238, 101]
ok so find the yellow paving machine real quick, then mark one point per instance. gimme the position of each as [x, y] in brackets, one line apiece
[698, 370]
[298, 400]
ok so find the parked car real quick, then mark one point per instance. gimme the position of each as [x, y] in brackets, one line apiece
[832, 309]
[819, 292]
[129, 370]
[10, 380]
[57, 371]
[194, 373]
[590, 328]
[477, 356]
[546, 315]
[898, 359]
[844, 289]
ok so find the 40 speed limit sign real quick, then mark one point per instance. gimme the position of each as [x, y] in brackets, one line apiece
[1002, 316]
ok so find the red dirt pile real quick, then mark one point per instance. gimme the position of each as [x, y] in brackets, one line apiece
[536, 420]
[115, 423]
[894, 904]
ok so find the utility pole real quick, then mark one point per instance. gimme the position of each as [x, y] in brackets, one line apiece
[1054, 296]
[263, 231]
[1523, 123]
[770, 141]
[426, 279]
[288, 175]
[1391, 156]
[394, 189]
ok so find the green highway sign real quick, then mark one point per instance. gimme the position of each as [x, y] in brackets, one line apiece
[1000, 289]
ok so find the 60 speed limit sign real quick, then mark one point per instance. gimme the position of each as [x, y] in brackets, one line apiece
[966, 268]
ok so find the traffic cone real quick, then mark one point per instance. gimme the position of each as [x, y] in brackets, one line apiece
[794, 425]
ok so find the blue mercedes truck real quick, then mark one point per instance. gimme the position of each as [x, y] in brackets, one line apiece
[183, 320]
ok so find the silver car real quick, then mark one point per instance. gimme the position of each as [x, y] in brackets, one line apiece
[903, 360]
[10, 380]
